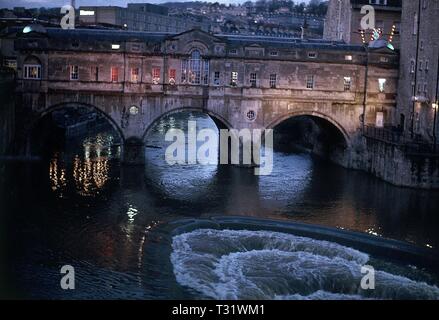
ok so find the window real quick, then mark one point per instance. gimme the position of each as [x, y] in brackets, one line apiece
[10, 63]
[312, 55]
[94, 73]
[135, 75]
[378, 2]
[74, 73]
[310, 82]
[274, 53]
[155, 75]
[253, 80]
[382, 84]
[114, 74]
[172, 76]
[216, 78]
[273, 81]
[233, 51]
[115, 46]
[425, 88]
[426, 65]
[32, 71]
[348, 58]
[412, 66]
[234, 79]
[347, 83]
[195, 70]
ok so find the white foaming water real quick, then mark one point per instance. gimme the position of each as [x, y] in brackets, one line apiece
[241, 264]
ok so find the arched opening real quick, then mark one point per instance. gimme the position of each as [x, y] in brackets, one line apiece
[79, 147]
[188, 180]
[312, 133]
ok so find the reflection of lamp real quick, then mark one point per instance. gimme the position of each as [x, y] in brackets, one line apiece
[435, 105]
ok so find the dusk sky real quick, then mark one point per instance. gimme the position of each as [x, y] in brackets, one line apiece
[58, 3]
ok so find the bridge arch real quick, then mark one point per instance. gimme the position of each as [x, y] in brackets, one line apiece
[219, 120]
[62, 105]
[40, 115]
[313, 114]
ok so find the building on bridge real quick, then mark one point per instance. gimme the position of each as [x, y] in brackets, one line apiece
[419, 69]
[343, 21]
[134, 78]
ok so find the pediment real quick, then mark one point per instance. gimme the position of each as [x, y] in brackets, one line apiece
[187, 41]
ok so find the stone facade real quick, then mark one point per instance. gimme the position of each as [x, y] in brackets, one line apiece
[343, 21]
[136, 17]
[418, 83]
[243, 82]
[7, 111]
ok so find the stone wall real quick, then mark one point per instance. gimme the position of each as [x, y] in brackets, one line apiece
[396, 164]
[7, 111]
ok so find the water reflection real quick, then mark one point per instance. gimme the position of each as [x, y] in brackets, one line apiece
[83, 208]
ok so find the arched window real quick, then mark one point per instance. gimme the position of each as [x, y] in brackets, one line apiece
[195, 70]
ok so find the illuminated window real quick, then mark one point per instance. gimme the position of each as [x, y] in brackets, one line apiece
[155, 75]
[234, 79]
[412, 66]
[10, 63]
[114, 74]
[310, 82]
[115, 46]
[32, 71]
[195, 70]
[347, 83]
[86, 13]
[135, 75]
[74, 73]
[172, 76]
[348, 58]
[273, 81]
[253, 80]
[382, 84]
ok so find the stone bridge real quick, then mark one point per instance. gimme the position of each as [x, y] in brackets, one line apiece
[136, 78]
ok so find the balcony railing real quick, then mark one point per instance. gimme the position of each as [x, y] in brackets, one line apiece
[404, 140]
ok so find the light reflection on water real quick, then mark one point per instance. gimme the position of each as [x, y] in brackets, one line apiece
[84, 209]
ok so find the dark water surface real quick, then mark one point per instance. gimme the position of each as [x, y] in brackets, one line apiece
[82, 208]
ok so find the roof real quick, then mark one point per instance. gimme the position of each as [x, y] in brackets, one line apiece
[91, 35]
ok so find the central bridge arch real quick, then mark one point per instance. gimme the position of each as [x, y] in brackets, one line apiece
[218, 119]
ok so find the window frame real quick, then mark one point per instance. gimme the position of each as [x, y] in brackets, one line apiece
[26, 73]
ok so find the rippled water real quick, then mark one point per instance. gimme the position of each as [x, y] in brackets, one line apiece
[82, 208]
[231, 264]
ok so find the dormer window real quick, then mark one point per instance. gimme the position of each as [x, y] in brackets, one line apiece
[233, 51]
[312, 55]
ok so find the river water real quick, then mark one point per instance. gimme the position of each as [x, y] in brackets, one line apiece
[82, 208]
